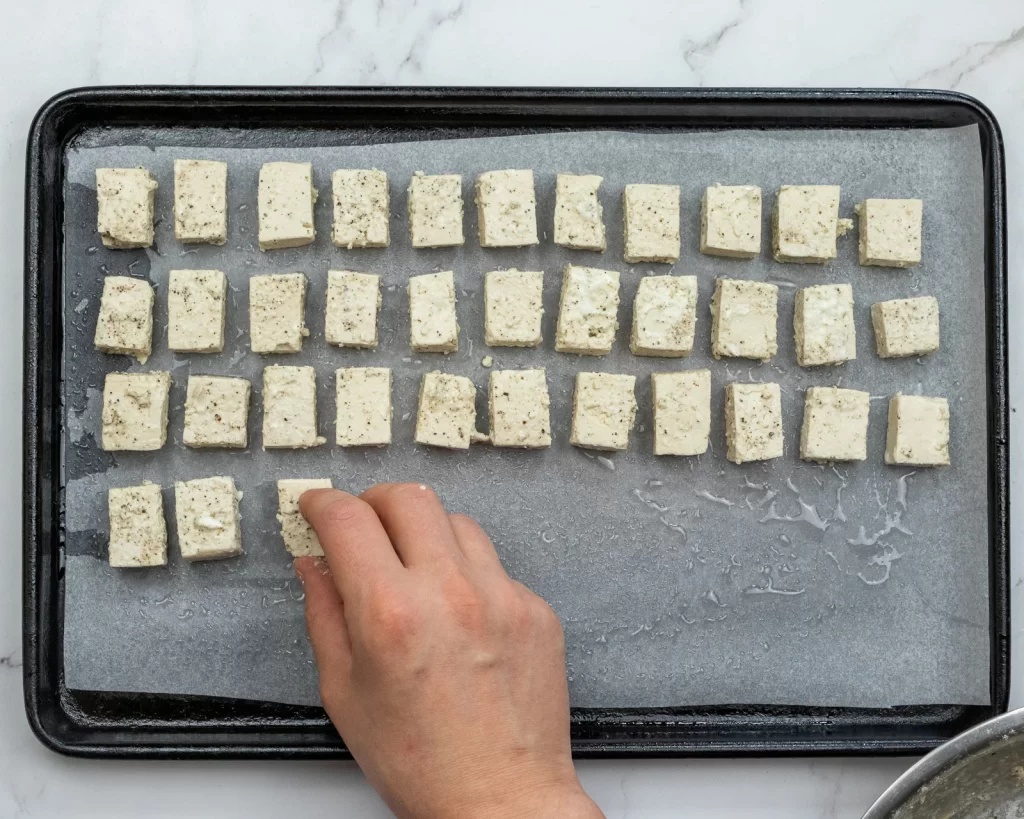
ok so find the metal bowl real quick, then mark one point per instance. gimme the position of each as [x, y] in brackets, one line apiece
[976, 775]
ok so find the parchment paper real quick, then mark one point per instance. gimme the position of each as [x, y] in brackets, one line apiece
[679, 581]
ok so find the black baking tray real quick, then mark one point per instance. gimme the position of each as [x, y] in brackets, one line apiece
[142, 725]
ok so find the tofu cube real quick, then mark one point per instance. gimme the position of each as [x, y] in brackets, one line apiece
[124, 199]
[200, 201]
[682, 412]
[277, 306]
[363, 406]
[730, 221]
[299, 538]
[289, 408]
[603, 411]
[506, 209]
[446, 416]
[435, 210]
[918, 433]
[805, 223]
[587, 311]
[513, 307]
[664, 316]
[125, 323]
[823, 325]
[362, 209]
[135, 411]
[744, 315]
[216, 412]
[905, 327]
[206, 511]
[520, 409]
[652, 223]
[286, 197]
[433, 326]
[753, 422]
[835, 425]
[579, 217]
[890, 232]
[138, 532]
[196, 305]
[353, 301]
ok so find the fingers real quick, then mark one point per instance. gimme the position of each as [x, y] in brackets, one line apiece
[475, 544]
[415, 521]
[325, 622]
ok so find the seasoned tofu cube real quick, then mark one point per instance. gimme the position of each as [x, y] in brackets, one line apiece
[603, 411]
[587, 311]
[744, 315]
[918, 433]
[823, 325]
[138, 532]
[579, 217]
[730, 221]
[682, 412]
[216, 412]
[125, 323]
[200, 201]
[299, 538]
[135, 411]
[513, 307]
[433, 326]
[664, 316]
[506, 209]
[753, 422]
[277, 306]
[652, 223]
[124, 199]
[835, 425]
[906, 327]
[435, 210]
[446, 416]
[519, 408]
[890, 232]
[353, 301]
[286, 197]
[209, 525]
[362, 209]
[805, 223]
[289, 408]
[363, 406]
[196, 304]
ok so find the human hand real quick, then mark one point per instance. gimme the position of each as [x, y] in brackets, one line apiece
[445, 678]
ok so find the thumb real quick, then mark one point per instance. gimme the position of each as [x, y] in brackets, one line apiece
[328, 632]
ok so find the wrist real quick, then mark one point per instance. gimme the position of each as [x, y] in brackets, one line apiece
[566, 801]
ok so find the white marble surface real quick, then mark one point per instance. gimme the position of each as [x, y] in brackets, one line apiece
[48, 45]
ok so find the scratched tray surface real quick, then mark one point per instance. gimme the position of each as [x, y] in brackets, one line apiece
[679, 581]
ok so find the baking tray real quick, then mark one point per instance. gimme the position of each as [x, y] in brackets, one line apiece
[133, 725]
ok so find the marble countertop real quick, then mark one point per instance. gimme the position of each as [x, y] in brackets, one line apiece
[51, 45]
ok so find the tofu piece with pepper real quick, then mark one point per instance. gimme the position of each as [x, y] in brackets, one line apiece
[124, 199]
[682, 412]
[753, 422]
[744, 319]
[651, 215]
[138, 531]
[905, 327]
[299, 538]
[446, 415]
[135, 411]
[353, 302]
[579, 217]
[125, 322]
[520, 409]
[513, 308]
[823, 325]
[363, 406]
[289, 408]
[433, 325]
[216, 412]
[730, 221]
[805, 223]
[285, 202]
[200, 201]
[209, 523]
[362, 208]
[506, 209]
[277, 305]
[890, 232]
[435, 210]
[587, 311]
[603, 411]
[196, 309]
[835, 425]
[918, 433]
[664, 316]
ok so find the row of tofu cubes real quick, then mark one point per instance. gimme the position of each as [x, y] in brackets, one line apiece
[805, 221]
[744, 315]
